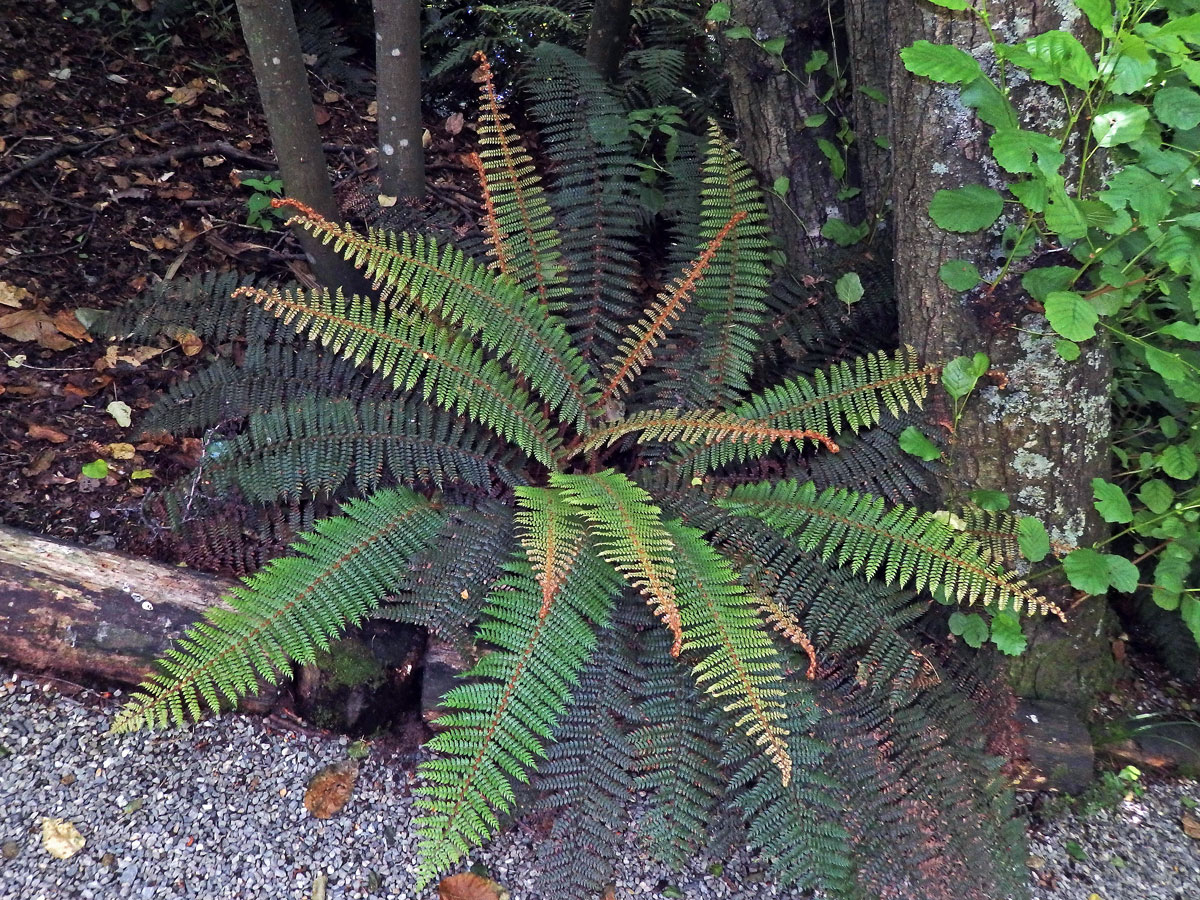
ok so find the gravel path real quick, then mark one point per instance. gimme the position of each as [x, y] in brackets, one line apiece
[216, 812]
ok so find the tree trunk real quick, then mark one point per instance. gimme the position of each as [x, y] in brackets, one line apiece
[398, 85]
[1039, 433]
[772, 97]
[269, 28]
[607, 34]
[80, 612]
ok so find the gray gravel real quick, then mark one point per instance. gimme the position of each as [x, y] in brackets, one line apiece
[216, 812]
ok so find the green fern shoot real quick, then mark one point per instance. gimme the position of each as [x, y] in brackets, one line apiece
[687, 555]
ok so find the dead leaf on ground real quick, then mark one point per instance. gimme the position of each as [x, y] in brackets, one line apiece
[33, 325]
[321, 114]
[469, 886]
[11, 295]
[133, 358]
[68, 324]
[40, 463]
[61, 839]
[329, 790]
[121, 412]
[1191, 826]
[46, 433]
[454, 123]
[120, 450]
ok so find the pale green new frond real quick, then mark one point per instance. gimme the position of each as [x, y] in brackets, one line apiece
[853, 395]
[630, 537]
[500, 721]
[902, 545]
[452, 372]
[740, 666]
[447, 285]
[551, 533]
[288, 611]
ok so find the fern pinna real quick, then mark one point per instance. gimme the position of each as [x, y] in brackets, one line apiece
[637, 516]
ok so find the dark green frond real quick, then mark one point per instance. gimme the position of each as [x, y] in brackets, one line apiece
[500, 720]
[446, 582]
[594, 196]
[316, 445]
[630, 537]
[870, 462]
[288, 611]
[900, 544]
[452, 372]
[587, 778]
[203, 305]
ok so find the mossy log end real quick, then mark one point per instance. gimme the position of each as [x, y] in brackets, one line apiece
[78, 612]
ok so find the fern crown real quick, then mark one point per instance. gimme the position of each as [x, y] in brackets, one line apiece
[593, 482]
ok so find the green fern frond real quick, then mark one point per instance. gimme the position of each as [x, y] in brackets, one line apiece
[708, 427]
[630, 536]
[740, 667]
[995, 530]
[453, 374]
[449, 287]
[204, 305]
[286, 612]
[645, 334]
[313, 447]
[521, 228]
[499, 722]
[852, 395]
[902, 544]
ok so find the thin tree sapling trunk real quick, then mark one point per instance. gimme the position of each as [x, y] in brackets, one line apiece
[607, 34]
[398, 80]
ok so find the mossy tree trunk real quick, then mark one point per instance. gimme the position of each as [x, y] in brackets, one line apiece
[269, 28]
[772, 97]
[398, 80]
[1039, 429]
[607, 33]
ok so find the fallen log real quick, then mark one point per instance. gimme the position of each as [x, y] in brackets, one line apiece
[78, 612]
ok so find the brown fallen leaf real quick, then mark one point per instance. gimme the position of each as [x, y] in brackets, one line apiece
[67, 323]
[40, 463]
[33, 325]
[1191, 826]
[469, 886]
[46, 433]
[61, 839]
[454, 123]
[11, 295]
[329, 790]
[119, 451]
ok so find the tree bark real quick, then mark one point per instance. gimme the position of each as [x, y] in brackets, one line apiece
[269, 27]
[398, 86]
[772, 96]
[80, 612]
[607, 34]
[1038, 432]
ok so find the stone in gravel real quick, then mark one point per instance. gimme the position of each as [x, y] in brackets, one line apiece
[10, 850]
[329, 790]
[1191, 826]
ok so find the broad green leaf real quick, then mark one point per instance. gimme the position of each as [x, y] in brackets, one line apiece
[914, 442]
[818, 59]
[1129, 65]
[1178, 461]
[941, 63]
[958, 274]
[1067, 350]
[775, 45]
[1053, 57]
[1171, 573]
[962, 373]
[739, 33]
[1071, 316]
[1111, 502]
[1143, 191]
[1122, 574]
[97, 468]
[1032, 539]
[849, 288]
[970, 627]
[1119, 123]
[989, 103]
[842, 233]
[1015, 149]
[1157, 495]
[719, 12]
[1177, 107]
[1041, 281]
[1182, 330]
[992, 500]
[970, 208]
[1064, 216]
[1007, 634]
[1189, 608]
[1099, 14]
[781, 184]
[950, 4]
[1087, 570]
[1168, 365]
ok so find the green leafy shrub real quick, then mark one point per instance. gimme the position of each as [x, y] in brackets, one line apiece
[665, 545]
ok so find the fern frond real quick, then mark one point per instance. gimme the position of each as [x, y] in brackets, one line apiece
[740, 667]
[449, 287]
[286, 612]
[316, 445]
[849, 395]
[453, 373]
[996, 531]
[204, 305]
[595, 195]
[498, 724]
[706, 427]
[524, 228]
[730, 299]
[447, 582]
[902, 544]
[645, 334]
[630, 537]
